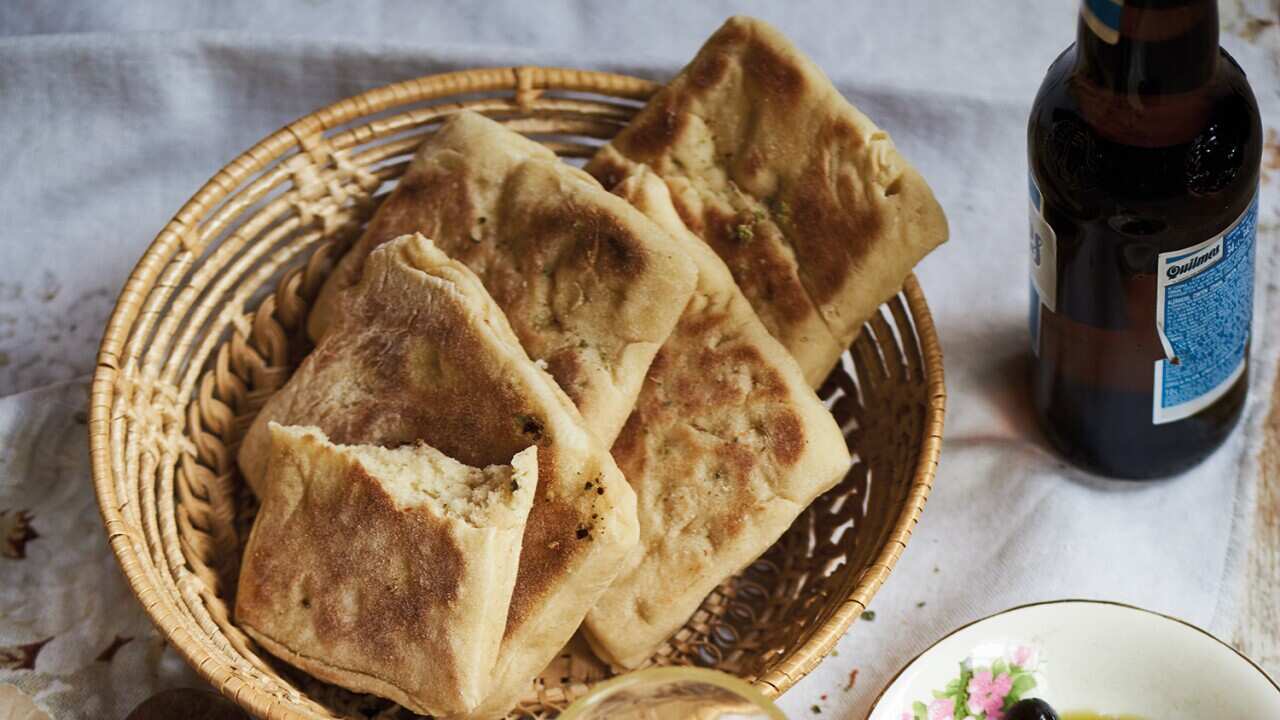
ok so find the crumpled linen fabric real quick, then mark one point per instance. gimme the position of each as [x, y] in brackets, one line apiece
[112, 113]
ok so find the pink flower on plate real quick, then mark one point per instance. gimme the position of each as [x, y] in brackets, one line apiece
[942, 709]
[1024, 656]
[987, 694]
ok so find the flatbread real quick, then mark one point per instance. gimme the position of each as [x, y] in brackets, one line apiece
[808, 202]
[387, 571]
[420, 352]
[589, 285]
[726, 446]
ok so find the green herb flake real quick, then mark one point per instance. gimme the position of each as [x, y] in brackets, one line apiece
[816, 710]
[743, 233]
[869, 615]
[781, 210]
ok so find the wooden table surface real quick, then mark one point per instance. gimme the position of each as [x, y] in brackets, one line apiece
[1258, 633]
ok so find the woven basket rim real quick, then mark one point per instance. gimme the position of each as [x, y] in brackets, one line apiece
[128, 547]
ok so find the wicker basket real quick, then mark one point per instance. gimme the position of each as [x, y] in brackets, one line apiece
[209, 325]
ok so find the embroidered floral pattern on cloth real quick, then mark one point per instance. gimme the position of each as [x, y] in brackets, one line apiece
[72, 635]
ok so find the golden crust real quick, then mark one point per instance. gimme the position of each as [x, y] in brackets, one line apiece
[417, 626]
[807, 201]
[726, 446]
[589, 285]
[420, 352]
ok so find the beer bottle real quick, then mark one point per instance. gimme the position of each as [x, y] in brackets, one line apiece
[1144, 147]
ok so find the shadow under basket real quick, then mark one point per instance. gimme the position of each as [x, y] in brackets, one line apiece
[211, 322]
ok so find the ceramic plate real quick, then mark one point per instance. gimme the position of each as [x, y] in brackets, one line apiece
[1080, 655]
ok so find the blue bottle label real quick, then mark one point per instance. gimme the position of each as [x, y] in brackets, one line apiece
[1103, 18]
[1204, 307]
[1044, 263]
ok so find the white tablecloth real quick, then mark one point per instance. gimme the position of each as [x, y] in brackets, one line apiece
[112, 113]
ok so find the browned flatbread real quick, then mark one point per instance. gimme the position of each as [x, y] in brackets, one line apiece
[387, 571]
[808, 202]
[420, 352]
[726, 446]
[589, 285]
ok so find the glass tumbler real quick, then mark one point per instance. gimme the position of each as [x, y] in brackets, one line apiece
[674, 693]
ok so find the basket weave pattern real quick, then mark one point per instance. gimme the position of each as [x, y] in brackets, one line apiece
[211, 323]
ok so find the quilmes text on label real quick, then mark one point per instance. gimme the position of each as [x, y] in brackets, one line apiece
[1194, 264]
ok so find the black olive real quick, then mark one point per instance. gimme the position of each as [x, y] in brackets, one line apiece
[1031, 709]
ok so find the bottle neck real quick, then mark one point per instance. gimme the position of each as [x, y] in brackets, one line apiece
[1147, 47]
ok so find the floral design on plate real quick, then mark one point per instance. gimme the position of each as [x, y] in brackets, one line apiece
[987, 686]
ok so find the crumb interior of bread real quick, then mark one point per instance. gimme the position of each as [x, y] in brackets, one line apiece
[421, 475]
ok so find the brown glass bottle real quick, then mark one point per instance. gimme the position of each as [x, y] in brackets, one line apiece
[1144, 148]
